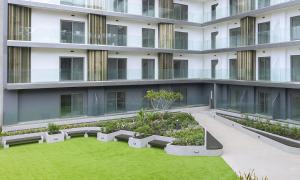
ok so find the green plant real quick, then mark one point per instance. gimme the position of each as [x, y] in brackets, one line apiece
[188, 137]
[53, 128]
[145, 129]
[163, 99]
[250, 176]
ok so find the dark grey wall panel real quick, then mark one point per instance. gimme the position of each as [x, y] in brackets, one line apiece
[10, 115]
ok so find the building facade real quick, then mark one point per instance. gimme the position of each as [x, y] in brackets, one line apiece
[64, 59]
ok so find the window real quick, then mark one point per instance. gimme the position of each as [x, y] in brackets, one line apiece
[148, 68]
[120, 6]
[264, 33]
[213, 68]
[148, 37]
[263, 103]
[116, 102]
[213, 39]
[214, 11]
[72, 32]
[149, 8]
[181, 40]
[235, 37]
[71, 68]
[117, 35]
[233, 68]
[80, 3]
[233, 7]
[116, 68]
[180, 69]
[264, 67]
[263, 3]
[183, 101]
[71, 105]
[295, 68]
[295, 28]
[180, 12]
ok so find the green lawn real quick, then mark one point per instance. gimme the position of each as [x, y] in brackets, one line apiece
[87, 158]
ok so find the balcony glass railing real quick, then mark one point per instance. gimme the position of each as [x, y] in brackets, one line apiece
[48, 75]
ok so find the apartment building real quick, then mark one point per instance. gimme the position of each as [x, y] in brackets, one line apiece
[65, 59]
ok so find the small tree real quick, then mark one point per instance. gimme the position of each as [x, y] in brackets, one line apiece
[163, 99]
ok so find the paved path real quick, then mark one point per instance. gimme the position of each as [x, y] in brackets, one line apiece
[243, 152]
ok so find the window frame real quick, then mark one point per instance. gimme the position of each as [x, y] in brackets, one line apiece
[71, 70]
[72, 42]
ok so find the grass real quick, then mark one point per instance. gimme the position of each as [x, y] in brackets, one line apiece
[87, 158]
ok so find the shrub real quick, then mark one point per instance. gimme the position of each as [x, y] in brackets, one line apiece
[145, 129]
[188, 137]
[250, 176]
[53, 128]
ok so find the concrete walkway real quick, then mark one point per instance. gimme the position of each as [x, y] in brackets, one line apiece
[244, 153]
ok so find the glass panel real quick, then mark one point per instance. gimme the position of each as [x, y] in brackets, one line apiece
[80, 3]
[213, 68]
[66, 32]
[233, 68]
[180, 68]
[213, 40]
[180, 12]
[122, 69]
[233, 7]
[295, 68]
[117, 35]
[263, 103]
[214, 11]
[235, 37]
[121, 106]
[183, 101]
[77, 69]
[65, 69]
[235, 98]
[148, 68]
[148, 37]
[264, 66]
[181, 40]
[77, 104]
[264, 33]
[295, 28]
[149, 8]
[65, 105]
[78, 32]
[263, 3]
[295, 106]
[112, 69]
[111, 102]
[120, 6]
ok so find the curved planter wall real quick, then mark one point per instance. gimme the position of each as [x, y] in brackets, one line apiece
[279, 142]
[140, 143]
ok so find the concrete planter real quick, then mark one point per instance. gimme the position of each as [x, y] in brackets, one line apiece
[54, 138]
[274, 140]
[111, 137]
[139, 143]
[191, 151]
[21, 138]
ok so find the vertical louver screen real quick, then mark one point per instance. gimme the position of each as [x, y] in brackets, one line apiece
[19, 64]
[19, 23]
[97, 29]
[248, 25]
[246, 62]
[165, 61]
[166, 35]
[97, 65]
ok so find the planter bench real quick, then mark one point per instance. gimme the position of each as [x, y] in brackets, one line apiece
[158, 144]
[111, 136]
[54, 138]
[79, 132]
[123, 137]
[22, 139]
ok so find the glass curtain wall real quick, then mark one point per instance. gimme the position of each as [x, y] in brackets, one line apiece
[264, 33]
[180, 69]
[116, 35]
[181, 40]
[295, 106]
[148, 69]
[149, 8]
[295, 28]
[264, 68]
[115, 102]
[117, 68]
[180, 12]
[148, 36]
[235, 37]
[183, 101]
[71, 68]
[72, 32]
[71, 105]
[264, 103]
